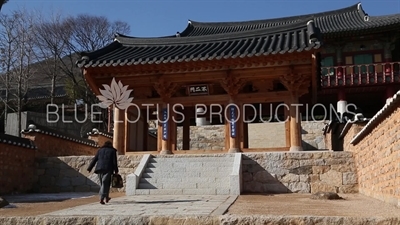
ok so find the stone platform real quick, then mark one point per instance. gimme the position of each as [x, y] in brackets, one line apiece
[354, 209]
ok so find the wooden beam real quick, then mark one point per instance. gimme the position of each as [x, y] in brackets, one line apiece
[92, 84]
[191, 101]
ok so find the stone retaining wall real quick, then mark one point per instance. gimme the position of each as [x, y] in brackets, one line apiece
[304, 172]
[277, 172]
[376, 150]
[69, 174]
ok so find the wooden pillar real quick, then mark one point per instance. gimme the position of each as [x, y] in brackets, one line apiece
[295, 125]
[119, 131]
[297, 85]
[145, 134]
[240, 125]
[234, 126]
[159, 132]
[227, 134]
[232, 85]
[165, 119]
[186, 131]
[165, 89]
[287, 124]
[173, 130]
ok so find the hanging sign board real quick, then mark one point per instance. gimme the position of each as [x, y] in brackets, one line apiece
[165, 124]
[199, 89]
[233, 120]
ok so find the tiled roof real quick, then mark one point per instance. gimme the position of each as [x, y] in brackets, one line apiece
[17, 141]
[346, 19]
[36, 93]
[389, 107]
[44, 130]
[222, 40]
[296, 37]
[95, 131]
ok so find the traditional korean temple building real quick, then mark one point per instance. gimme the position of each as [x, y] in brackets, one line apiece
[330, 58]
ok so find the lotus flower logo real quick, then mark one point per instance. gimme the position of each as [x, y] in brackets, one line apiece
[116, 95]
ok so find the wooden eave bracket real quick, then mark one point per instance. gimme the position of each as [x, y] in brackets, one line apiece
[231, 84]
[297, 84]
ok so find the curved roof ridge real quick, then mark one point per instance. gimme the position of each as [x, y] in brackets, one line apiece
[383, 17]
[342, 10]
[116, 35]
[217, 37]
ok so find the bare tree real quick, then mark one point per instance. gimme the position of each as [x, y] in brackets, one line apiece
[88, 33]
[7, 57]
[21, 68]
[50, 48]
[91, 33]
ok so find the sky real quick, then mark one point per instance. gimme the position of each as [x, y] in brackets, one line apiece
[155, 18]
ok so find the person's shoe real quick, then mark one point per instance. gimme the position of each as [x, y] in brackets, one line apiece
[108, 199]
[102, 202]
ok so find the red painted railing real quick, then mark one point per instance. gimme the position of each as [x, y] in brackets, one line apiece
[363, 74]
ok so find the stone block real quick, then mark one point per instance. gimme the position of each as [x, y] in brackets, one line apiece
[247, 177]
[226, 191]
[140, 192]
[288, 178]
[207, 191]
[349, 178]
[80, 180]
[314, 178]
[263, 177]
[331, 177]
[132, 182]
[63, 182]
[344, 167]
[301, 170]
[275, 188]
[299, 187]
[234, 185]
[304, 178]
[320, 169]
[319, 186]
[253, 187]
[166, 191]
[347, 189]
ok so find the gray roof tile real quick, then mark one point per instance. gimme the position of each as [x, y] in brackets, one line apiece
[134, 51]
[214, 41]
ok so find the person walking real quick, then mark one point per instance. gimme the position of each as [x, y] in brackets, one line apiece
[106, 163]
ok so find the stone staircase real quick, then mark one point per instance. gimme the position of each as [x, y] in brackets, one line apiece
[216, 174]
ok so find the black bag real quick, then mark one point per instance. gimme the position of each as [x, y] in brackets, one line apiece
[116, 181]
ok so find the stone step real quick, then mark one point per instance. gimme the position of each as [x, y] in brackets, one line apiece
[222, 160]
[185, 165]
[180, 191]
[183, 182]
[161, 169]
[167, 174]
[190, 158]
[185, 179]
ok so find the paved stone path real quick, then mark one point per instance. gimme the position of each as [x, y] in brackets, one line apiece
[151, 205]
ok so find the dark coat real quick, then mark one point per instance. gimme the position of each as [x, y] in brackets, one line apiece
[106, 159]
